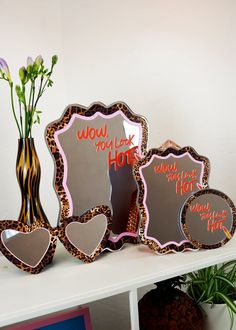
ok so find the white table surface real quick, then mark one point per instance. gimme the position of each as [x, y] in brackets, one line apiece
[69, 282]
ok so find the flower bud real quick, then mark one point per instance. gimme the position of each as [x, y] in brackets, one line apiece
[54, 59]
[29, 61]
[39, 60]
[35, 68]
[23, 74]
[18, 90]
[4, 69]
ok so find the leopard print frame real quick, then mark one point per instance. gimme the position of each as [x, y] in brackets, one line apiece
[164, 152]
[187, 205]
[19, 226]
[59, 170]
[85, 218]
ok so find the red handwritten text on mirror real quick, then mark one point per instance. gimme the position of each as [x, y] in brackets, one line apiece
[165, 168]
[92, 133]
[184, 180]
[119, 159]
[113, 144]
[102, 143]
[215, 219]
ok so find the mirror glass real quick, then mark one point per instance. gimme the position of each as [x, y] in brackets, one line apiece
[29, 248]
[87, 236]
[208, 218]
[167, 180]
[98, 149]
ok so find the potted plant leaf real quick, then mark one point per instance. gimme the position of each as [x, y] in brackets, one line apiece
[214, 289]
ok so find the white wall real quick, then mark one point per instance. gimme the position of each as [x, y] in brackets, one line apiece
[172, 61]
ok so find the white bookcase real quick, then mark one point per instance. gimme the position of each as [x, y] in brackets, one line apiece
[68, 282]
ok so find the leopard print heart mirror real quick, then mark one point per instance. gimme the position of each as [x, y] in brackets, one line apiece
[86, 237]
[94, 150]
[166, 177]
[30, 248]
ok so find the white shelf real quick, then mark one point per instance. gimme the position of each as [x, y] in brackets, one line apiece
[69, 282]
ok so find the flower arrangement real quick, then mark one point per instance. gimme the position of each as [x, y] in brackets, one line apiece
[34, 79]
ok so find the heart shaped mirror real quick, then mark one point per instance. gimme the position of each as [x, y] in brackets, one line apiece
[94, 150]
[166, 177]
[30, 248]
[208, 219]
[86, 237]
[21, 245]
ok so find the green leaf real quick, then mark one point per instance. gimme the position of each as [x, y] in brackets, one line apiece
[233, 274]
[210, 287]
[50, 83]
[226, 265]
[199, 282]
[229, 302]
[208, 300]
[200, 299]
[224, 279]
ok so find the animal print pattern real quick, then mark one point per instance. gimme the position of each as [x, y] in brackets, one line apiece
[54, 233]
[31, 215]
[88, 112]
[21, 227]
[187, 205]
[85, 218]
[164, 152]
[28, 174]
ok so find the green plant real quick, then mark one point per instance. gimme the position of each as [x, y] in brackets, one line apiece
[214, 285]
[34, 79]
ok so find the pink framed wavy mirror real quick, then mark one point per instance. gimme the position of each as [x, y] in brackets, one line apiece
[166, 177]
[94, 150]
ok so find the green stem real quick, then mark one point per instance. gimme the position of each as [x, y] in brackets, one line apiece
[21, 122]
[13, 108]
[26, 113]
[32, 107]
[39, 92]
[42, 88]
[31, 89]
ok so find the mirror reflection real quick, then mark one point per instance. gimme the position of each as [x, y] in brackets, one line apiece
[87, 236]
[29, 248]
[166, 180]
[98, 154]
[208, 218]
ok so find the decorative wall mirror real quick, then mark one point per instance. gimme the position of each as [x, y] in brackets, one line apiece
[29, 247]
[166, 177]
[94, 151]
[208, 219]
